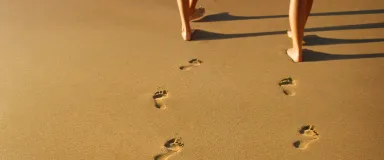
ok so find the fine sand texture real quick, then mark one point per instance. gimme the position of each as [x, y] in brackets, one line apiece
[113, 80]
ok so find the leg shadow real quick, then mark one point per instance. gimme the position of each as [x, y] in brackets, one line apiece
[313, 40]
[346, 27]
[313, 56]
[225, 16]
[206, 35]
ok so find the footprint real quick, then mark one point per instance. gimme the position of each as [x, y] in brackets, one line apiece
[307, 131]
[287, 85]
[303, 144]
[159, 97]
[192, 63]
[173, 146]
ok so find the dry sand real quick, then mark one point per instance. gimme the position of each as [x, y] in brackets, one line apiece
[77, 79]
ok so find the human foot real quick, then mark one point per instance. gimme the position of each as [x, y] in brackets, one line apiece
[197, 13]
[289, 34]
[187, 35]
[294, 55]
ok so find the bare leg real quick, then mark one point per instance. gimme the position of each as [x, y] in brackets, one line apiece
[184, 14]
[291, 17]
[196, 13]
[303, 16]
[294, 9]
[307, 13]
[192, 4]
[308, 10]
[298, 15]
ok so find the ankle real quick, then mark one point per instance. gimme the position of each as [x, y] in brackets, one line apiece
[187, 29]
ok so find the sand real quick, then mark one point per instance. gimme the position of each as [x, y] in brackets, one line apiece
[77, 80]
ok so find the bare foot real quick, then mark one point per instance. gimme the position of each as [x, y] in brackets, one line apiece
[294, 55]
[197, 13]
[158, 97]
[289, 33]
[173, 146]
[187, 35]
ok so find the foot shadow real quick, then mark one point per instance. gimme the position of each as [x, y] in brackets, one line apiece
[225, 16]
[206, 35]
[313, 56]
[314, 40]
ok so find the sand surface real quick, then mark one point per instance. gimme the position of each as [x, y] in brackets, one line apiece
[77, 79]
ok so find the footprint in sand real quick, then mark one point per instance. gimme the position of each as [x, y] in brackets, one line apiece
[159, 97]
[173, 147]
[303, 144]
[192, 63]
[288, 85]
[307, 131]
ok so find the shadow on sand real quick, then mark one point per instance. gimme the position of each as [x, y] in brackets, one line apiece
[202, 35]
[313, 56]
[310, 40]
[315, 40]
[225, 16]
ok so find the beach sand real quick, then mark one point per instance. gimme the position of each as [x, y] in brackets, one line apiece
[77, 80]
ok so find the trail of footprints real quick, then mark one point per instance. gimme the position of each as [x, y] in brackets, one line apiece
[175, 145]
